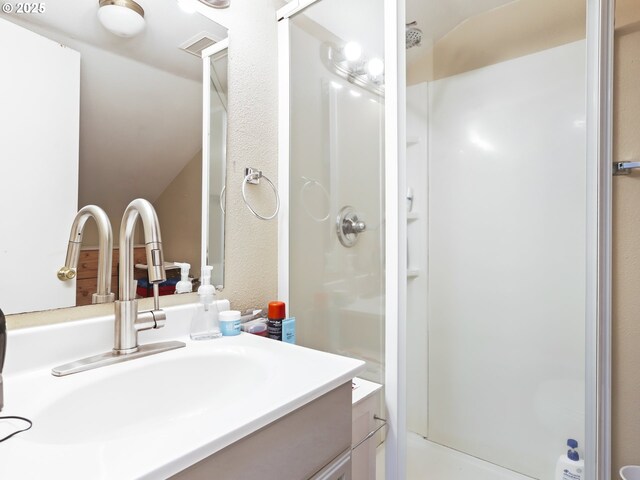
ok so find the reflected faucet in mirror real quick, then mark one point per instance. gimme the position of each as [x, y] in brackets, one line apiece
[105, 246]
[128, 321]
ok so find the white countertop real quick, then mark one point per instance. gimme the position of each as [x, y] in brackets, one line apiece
[363, 389]
[150, 417]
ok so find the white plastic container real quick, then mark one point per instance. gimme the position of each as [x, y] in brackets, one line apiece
[630, 472]
[255, 327]
[230, 323]
[570, 466]
[205, 324]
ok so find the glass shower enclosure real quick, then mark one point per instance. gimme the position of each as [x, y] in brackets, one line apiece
[468, 282]
[336, 169]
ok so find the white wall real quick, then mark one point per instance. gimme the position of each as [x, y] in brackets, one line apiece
[506, 255]
[39, 125]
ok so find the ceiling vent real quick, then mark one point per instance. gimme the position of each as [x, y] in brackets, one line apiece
[197, 44]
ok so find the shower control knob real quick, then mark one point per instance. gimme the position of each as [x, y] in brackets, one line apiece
[356, 226]
[349, 226]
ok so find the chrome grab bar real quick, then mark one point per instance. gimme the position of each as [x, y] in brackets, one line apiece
[624, 168]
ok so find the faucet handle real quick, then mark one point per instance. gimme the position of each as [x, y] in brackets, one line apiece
[150, 319]
[66, 273]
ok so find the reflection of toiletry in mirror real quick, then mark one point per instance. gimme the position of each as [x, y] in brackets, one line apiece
[184, 285]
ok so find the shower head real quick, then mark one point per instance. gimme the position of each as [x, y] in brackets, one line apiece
[413, 35]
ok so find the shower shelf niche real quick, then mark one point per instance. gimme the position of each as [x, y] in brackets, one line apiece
[412, 216]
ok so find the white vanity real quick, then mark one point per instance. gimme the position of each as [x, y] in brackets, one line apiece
[235, 407]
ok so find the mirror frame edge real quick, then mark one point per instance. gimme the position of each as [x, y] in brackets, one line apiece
[206, 55]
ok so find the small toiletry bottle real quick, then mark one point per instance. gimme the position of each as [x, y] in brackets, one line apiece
[289, 330]
[230, 323]
[184, 285]
[204, 325]
[570, 466]
[274, 323]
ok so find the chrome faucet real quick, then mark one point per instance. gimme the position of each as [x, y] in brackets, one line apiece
[128, 321]
[105, 251]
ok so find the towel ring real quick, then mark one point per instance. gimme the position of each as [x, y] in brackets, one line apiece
[253, 176]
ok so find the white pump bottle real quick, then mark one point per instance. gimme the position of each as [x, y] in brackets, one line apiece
[184, 285]
[205, 324]
[570, 466]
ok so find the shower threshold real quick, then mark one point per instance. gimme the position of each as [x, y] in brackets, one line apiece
[429, 460]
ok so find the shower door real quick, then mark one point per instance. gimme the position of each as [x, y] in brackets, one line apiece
[336, 175]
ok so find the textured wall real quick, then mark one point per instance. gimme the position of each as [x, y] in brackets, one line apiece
[626, 254]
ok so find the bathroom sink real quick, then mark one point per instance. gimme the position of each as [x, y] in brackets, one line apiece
[155, 416]
[148, 395]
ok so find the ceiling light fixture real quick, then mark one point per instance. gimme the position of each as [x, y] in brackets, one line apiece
[216, 3]
[124, 18]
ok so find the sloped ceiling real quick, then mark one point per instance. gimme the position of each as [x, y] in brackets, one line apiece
[140, 98]
[437, 18]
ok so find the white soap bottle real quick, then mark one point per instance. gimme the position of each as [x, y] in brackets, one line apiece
[184, 285]
[570, 466]
[205, 324]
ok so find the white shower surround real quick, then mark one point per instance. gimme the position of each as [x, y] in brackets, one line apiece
[506, 250]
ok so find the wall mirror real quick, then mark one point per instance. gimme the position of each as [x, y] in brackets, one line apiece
[214, 148]
[138, 133]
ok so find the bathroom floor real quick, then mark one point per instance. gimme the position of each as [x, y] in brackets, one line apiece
[428, 460]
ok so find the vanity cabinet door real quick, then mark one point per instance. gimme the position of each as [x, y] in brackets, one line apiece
[307, 442]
